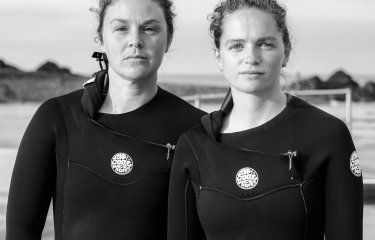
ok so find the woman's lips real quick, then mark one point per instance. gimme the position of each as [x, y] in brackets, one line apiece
[252, 73]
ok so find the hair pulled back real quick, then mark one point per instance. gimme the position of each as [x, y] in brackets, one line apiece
[229, 6]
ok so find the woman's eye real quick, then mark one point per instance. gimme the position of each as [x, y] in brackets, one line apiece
[236, 46]
[121, 29]
[149, 30]
[266, 45]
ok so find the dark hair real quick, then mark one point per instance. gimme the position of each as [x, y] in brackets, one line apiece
[166, 5]
[229, 6]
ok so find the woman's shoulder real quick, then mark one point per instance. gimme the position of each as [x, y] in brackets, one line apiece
[315, 119]
[50, 110]
[71, 97]
[178, 103]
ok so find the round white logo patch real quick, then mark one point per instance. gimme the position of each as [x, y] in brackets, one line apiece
[354, 165]
[247, 178]
[121, 163]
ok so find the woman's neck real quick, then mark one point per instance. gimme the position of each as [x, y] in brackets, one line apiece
[252, 110]
[124, 95]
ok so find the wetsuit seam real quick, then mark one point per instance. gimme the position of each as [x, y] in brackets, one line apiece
[195, 155]
[256, 197]
[64, 216]
[127, 136]
[67, 129]
[306, 210]
[121, 184]
[186, 211]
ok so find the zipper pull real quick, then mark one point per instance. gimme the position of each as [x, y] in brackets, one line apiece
[169, 147]
[292, 170]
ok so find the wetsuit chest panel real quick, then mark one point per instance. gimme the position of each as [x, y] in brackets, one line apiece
[244, 191]
[117, 158]
[121, 211]
[280, 215]
[244, 174]
[110, 178]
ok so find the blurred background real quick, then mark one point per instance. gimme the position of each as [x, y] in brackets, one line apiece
[46, 48]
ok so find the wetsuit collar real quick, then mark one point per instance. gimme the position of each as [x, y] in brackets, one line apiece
[94, 93]
[212, 122]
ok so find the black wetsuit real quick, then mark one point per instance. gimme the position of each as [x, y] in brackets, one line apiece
[295, 177]
[107, 174]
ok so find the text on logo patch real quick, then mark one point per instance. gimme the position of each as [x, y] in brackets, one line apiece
[121, 163]
[354, 165]
[247, 178]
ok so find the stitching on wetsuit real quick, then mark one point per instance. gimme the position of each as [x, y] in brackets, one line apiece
[256, 197]
[306, 210]
[195, 155]
[121, 184]
[186, 211]
[64, 213]
[67, 128]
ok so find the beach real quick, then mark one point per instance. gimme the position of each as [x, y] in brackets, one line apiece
[15, 117]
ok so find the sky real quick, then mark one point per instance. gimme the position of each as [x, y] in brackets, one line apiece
[327, 35]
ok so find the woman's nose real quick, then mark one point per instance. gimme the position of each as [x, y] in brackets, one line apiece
[136, 44]
[136, 40]
[252, 56]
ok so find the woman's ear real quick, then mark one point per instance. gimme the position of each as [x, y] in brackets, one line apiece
[218, 59]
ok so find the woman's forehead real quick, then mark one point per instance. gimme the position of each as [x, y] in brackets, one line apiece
[251, 21]
[143, 10]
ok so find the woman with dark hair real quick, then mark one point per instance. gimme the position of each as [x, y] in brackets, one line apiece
[103, 153]
[267, 165]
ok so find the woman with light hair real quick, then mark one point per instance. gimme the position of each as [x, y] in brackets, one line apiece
[267, 165]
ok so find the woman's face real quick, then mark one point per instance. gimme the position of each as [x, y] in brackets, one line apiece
[134, 38]
[251, 52]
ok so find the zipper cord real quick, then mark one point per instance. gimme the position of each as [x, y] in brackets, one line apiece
[170, 148]
[292, 165]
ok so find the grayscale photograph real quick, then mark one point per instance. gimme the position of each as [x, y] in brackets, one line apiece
[187, 120]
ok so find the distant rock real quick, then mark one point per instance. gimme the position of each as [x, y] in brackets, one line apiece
[316, 82]
[302, 84]
[368, 91]
[6, 93]
[8, 68]
[50, 67]
[340, 79]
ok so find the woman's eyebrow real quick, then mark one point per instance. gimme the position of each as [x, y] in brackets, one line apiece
[270, 38]
[147, 21]
[120, 20]
[150, 21]
[234, 40]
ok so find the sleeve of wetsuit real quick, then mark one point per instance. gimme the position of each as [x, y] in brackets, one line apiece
[34, 176]
[343, 188]
[183, 221]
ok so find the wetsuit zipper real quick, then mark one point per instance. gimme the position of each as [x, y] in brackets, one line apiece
[168, 146]
[292, 164]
